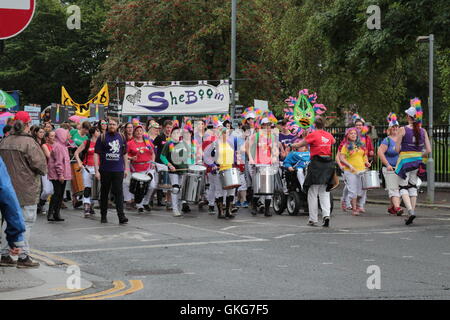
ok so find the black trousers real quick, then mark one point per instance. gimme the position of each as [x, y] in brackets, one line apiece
[111, 181]
[57, 198]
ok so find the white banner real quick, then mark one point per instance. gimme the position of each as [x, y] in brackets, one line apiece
[176, 100]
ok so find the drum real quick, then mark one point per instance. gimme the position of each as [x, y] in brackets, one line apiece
[370, 180]
[139, 184]
[391, 179]
[95, 191]
[229, 178]
[191, 190]
[77, 179]
[199, 170]
[264, 180]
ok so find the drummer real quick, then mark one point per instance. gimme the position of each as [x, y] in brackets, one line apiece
[176, 155]
[263, 151]
[142, 156]
[209, 152]
[225, 159]
[354, 157]
[86, 162]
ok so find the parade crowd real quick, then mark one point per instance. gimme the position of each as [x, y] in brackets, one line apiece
[136, 167]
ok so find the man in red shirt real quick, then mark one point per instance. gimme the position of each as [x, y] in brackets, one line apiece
[320, 172]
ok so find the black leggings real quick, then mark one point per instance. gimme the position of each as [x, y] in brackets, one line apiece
[111, 181]
[57, 197]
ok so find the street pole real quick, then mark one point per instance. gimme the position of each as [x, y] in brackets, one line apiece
[233, 56]
[430, 162]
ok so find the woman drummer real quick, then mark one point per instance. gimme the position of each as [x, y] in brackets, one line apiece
[225, 159]
[176, 155]
[354, 156]
[142, 156]
[389, 156]
[87, 165]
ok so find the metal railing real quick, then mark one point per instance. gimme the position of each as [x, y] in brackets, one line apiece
[440, 148]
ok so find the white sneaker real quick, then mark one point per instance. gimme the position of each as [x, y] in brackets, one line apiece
[177, 213]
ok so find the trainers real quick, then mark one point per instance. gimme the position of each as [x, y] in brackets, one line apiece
[177, 213]
[244, 204]
[147, 208]
[326, 222]
[186, 208]
[92, 211]
[311, 224]
[361, 210]
[399, 211]
[238, 204]
[211, 210]
[27, 263]
[392, 210]
[7, 261]
[410, 219]
[141, 210]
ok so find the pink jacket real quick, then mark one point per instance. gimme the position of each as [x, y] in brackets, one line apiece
[59, 162]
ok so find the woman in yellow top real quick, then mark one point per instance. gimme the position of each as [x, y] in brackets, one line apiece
[225, 159]
[353, 156]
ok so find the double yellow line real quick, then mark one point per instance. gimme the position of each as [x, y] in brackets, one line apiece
[114, 292]
[119, 288]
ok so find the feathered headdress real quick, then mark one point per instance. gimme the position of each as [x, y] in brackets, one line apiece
[392, 119]
[416, 103]
[356, 117]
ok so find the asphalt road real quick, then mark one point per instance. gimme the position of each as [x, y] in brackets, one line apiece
[201, 257]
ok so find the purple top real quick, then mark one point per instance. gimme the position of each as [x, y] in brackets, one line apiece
[409, 141]
[286, 138]
[111, 152]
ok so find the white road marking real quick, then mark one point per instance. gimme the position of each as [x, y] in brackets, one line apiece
[216, 231]
[236, 269]
[446, 253]
[394, 232]
[344, 230]
[369, 260]
[92, 228]
[189, 273]
[439, 236]
[183, 244]
[282, 266]
[228, 228]
[284, 236]
[327, 263]
[296, 246]
[405, 238]
[369, 240]
[258, 249]
[408, 256]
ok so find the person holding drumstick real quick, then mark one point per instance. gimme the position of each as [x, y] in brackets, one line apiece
[354, 156]
[388, 156]
[176, 155]
[142, 155]
[87, 165]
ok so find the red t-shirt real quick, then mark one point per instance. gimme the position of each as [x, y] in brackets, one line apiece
[90, 154]
[320, 143]
[144, 155]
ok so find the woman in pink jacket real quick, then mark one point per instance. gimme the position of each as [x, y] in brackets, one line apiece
[58, 173]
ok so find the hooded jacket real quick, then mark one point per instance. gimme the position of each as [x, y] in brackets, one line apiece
[26, 163]
[59, 162]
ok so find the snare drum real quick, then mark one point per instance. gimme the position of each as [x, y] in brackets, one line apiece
[139, 184]
[77, 179]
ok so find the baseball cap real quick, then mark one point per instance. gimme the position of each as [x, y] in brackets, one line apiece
[411, 111]
[264, 121]
[155, 125]
[23, 116]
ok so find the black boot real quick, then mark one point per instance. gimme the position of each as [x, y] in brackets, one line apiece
[50, 215]
[219, 203]
[254, 210]
[267, 212]
[229, 203]
[57, 215]
[40, 205]
[68, 196]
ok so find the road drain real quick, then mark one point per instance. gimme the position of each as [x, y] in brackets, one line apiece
[153, 272]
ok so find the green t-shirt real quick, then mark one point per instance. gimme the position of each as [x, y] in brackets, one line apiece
[77, 138]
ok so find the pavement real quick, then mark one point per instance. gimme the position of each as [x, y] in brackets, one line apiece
[379, 196]
[109, 255]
